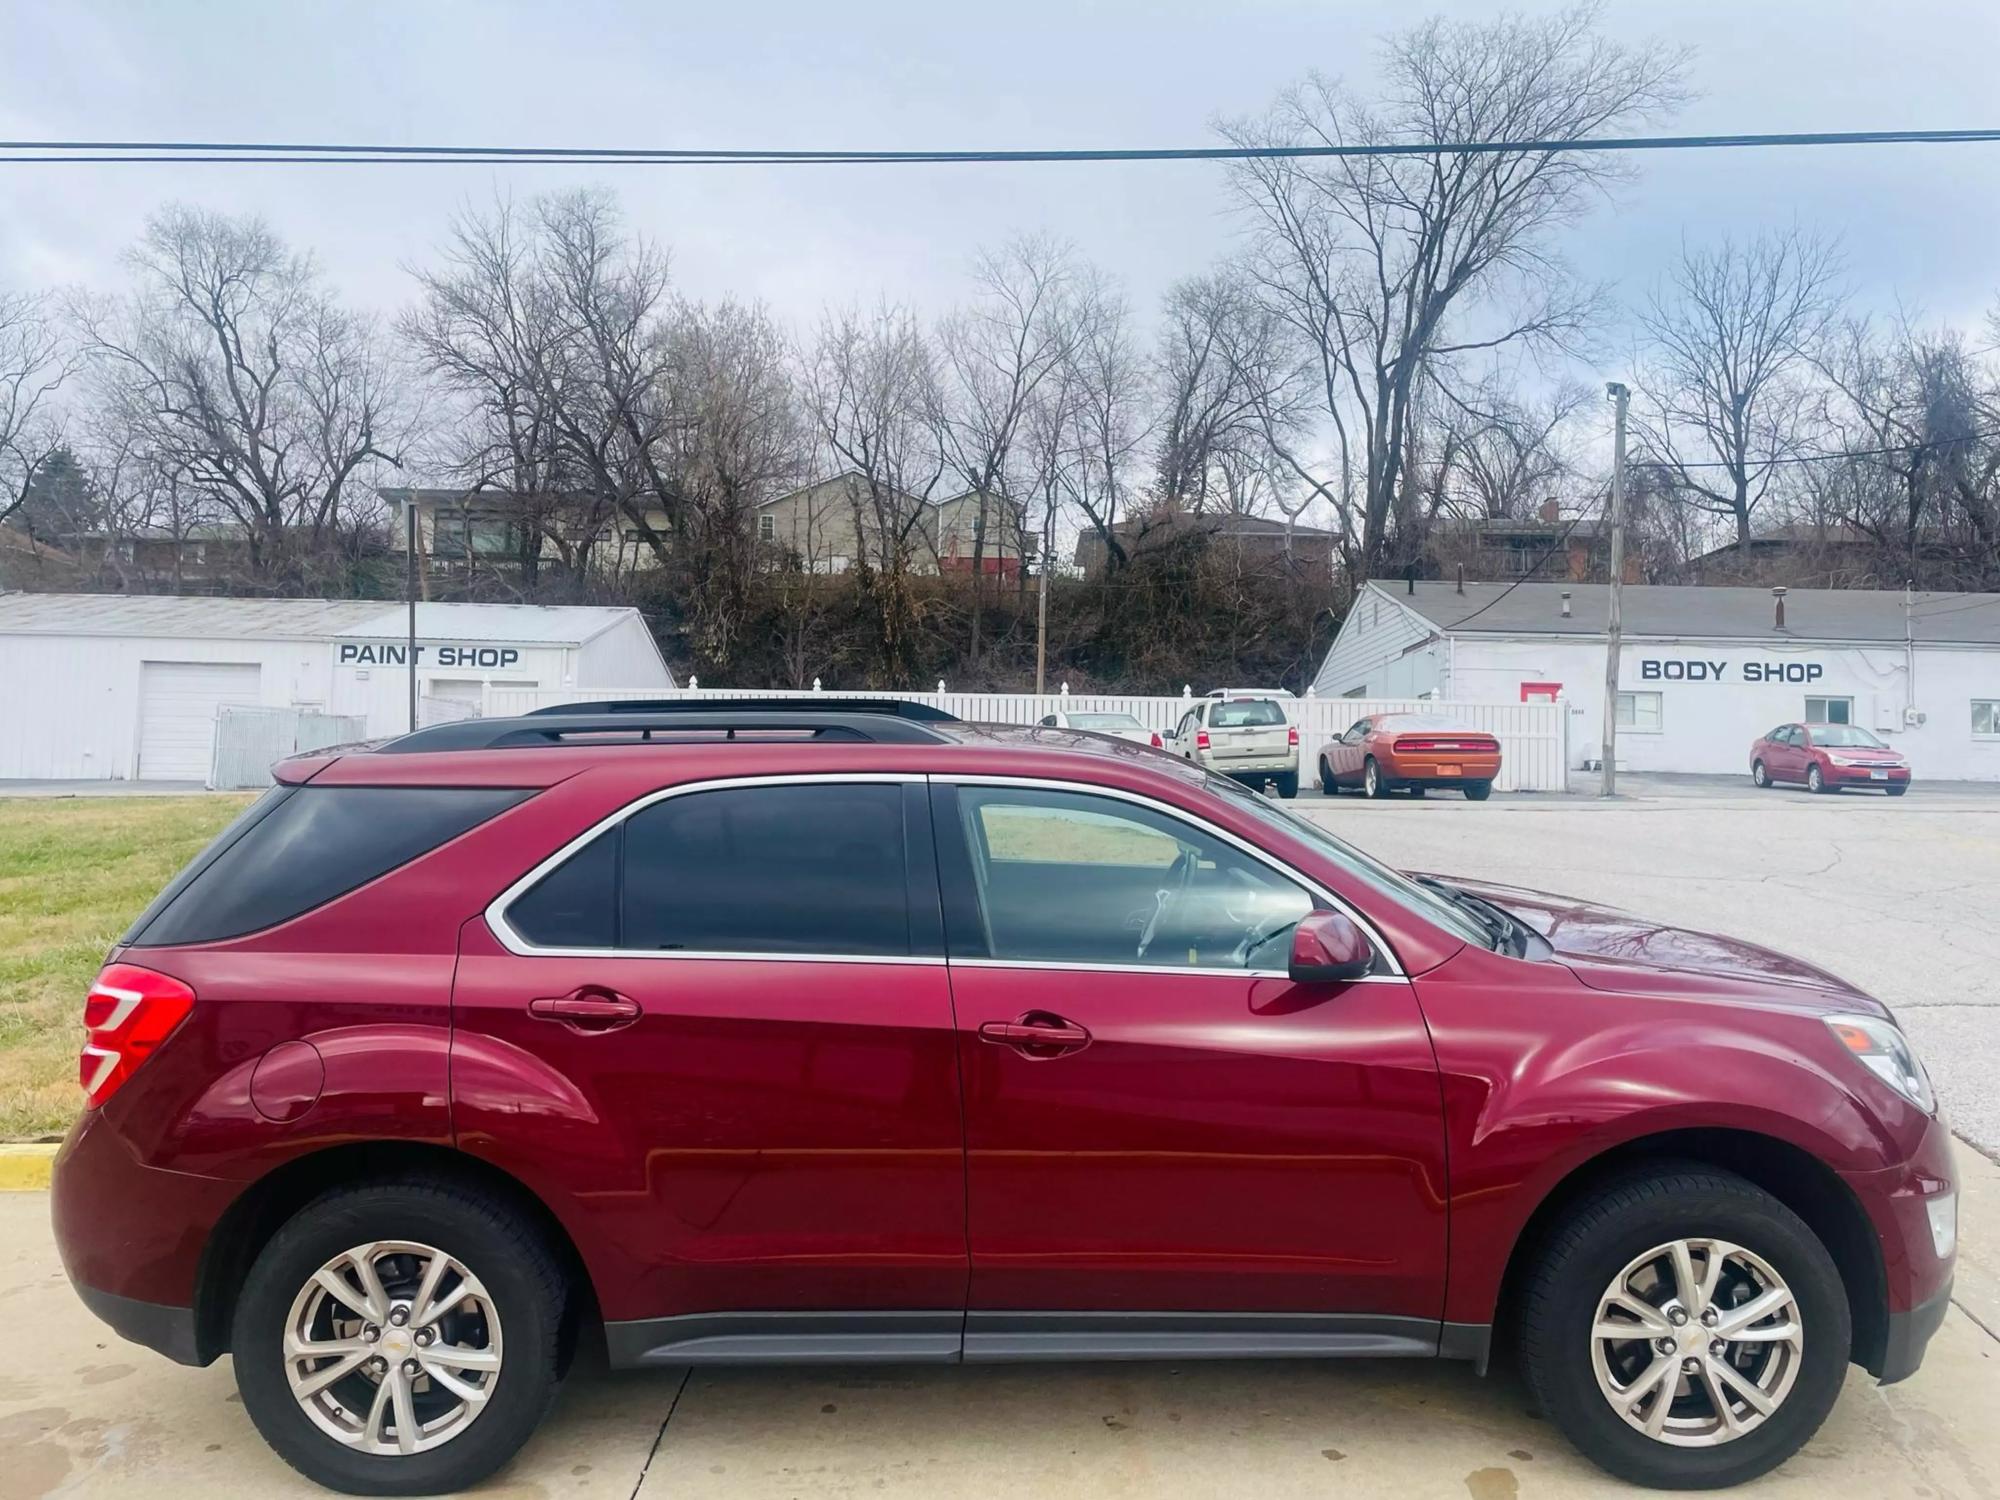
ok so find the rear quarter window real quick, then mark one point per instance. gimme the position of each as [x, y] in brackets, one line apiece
[299, 847]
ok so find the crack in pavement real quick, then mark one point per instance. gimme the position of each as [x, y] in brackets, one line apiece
[661, 1436]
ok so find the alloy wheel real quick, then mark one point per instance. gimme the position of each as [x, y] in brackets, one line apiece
[1696, 1342]
[1372, 779]
[392, 1347]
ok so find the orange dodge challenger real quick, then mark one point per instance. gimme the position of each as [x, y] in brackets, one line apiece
[1412, 751]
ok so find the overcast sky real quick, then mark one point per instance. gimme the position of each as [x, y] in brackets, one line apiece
[1919, 223]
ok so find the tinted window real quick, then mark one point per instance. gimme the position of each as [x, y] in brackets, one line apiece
[768, 869]
[308, 847]
[1245, 713]
[1068, 877]
[575, 905]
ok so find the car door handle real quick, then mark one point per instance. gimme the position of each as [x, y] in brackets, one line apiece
[587, 1009]
[1046, 1035]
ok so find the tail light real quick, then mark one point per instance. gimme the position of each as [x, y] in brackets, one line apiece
[1462, 747]
[1201, 739]
[128, 1013]
[1292, 736]
[1158, 743]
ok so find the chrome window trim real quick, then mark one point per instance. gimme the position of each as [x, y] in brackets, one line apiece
[1167, 809]
[520, 947]
[496, 909]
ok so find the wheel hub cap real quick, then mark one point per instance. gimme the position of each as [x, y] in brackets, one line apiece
[1696, 1342]
[393, 1347]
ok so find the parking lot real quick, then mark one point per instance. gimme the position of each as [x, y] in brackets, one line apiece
[1899, 896]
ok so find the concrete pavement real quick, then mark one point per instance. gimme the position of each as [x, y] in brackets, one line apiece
[84, 1417]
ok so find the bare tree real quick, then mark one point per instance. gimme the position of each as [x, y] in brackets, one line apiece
[994, 354]
[1722, 404]
[870, 386]
[248, 381]
[1390, 268]
[35, 359]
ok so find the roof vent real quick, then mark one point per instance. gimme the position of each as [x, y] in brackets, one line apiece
[1565, 604]
[1778, 598]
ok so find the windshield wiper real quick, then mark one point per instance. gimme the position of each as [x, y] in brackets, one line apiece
[1500, 928]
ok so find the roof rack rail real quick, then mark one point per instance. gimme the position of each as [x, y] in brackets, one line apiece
[641, 726]
[901, 708]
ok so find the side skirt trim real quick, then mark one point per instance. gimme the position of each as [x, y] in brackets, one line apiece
[1016, 1337]
[787, 1338]
[1005, 1337]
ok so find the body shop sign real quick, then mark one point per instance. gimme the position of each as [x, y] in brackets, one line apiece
[429, 653]
[1701, 669]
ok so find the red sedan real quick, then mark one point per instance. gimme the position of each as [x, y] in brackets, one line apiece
[1828, 757]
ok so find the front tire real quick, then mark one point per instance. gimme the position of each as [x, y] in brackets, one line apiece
[1759, 776]
[1739, 1328]
[1815, 782]
[400, 1337]
[1895, 791]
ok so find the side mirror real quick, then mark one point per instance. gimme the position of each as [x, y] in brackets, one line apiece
[1329, 949]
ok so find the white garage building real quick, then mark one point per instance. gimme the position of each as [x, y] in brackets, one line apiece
[127, 686]
[1703, 672]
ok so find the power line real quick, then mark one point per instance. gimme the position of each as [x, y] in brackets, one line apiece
[319, 153]
[1533, 568]
[1675, 465]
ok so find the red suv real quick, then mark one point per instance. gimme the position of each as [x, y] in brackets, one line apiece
[837, 1032]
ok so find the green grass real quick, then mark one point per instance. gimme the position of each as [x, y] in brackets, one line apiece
[74, 871]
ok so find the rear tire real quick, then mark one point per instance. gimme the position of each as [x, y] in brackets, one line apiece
[1478, 791]
[1288, 784]
[1573, 1373]
[1373, 783]
[518, 1277]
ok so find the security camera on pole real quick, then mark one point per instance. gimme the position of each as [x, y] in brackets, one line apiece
[1614, 629]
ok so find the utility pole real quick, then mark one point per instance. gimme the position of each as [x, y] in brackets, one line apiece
[410, 590]
[1042, 601]
[1615, 626]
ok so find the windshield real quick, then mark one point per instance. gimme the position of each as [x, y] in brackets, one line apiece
[1243, 713]
[1431, 905]
[1104, 721]
[1845, 736]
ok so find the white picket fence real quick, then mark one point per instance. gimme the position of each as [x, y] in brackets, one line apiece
[250, 739]
[1534, 748]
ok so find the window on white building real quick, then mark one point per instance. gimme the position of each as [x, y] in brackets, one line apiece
[1829, 710]
[1639, 712]
[1986, 718]
[767, 528]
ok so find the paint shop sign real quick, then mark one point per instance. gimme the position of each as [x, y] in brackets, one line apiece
[1702, 669]
[428, 654]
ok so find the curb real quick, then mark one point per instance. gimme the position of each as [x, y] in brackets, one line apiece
[26, 1169]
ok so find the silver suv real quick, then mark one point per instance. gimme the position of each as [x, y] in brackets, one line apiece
[1242, 732]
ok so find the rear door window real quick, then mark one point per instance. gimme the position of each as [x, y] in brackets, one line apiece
[805, 869]
[302, 846]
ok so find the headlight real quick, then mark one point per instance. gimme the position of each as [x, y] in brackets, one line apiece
[1884, 1051]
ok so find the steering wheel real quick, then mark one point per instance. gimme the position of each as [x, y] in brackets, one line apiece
[1166, 898]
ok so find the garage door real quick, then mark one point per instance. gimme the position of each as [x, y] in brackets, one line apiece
[177, 704]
